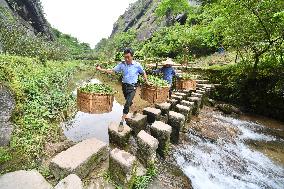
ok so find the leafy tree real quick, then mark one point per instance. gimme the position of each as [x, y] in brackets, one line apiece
[256, 26]
[167, 7]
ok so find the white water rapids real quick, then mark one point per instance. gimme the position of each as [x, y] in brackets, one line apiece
[230, 165]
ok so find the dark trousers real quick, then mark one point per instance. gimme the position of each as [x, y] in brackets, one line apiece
[129, 91]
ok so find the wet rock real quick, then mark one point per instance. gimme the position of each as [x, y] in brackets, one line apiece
[24, 180]
[176, 97]
[116, 138]
[201, 91]
[162, 132]
[7, 104]
[173, 103]
[170, 175]
[187, 103]
[164, 107]
[209, 128]
[196, 107]
[176, 121]
[70, 182]
[228, 108]
[79, 159]
[153, 114]
[147, 146]
[201, 96]
[137, 123]
[184, 95]
[196, 95]
[121, 167]
[185, 110]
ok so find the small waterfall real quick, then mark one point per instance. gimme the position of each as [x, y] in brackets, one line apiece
[230, 165]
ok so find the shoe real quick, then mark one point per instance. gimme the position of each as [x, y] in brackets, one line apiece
[120, 127]
[134, 114]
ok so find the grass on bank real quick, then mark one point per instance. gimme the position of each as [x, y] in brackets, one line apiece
[42, 101]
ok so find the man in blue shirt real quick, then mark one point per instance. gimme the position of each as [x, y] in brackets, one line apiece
[130, 70]
[168, 73]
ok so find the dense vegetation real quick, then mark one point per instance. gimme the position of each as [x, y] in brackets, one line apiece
[41, 102]
[253, 30]
[37, 70]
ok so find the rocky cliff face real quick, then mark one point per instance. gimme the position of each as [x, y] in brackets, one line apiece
[29, 14]
[139, 16]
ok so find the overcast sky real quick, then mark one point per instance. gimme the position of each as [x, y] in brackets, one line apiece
[87, 20]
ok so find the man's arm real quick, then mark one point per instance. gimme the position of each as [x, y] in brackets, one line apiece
[145, 77]
[109, 71]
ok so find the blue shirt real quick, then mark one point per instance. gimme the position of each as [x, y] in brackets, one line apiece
[168, 73]
[129, 72]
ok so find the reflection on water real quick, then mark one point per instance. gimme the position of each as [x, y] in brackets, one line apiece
[85, 125]
[232, 165]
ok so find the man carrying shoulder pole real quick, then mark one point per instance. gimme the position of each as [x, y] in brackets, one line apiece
[130, 70]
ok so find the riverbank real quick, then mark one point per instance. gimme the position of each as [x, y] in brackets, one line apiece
[41, 102]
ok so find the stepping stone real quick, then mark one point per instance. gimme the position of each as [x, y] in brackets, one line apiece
[116, 138]
[153, 114]
[138, 123]
[147, 146]
[122, 167]
[197, 102]
[162, 132]
[187, 103]
[24, 180]
[196, 95]
[184, 95]
[207, 87]
[70, 182]
[178, 98]
[201, 96]
[79, 159]
[164, 107]
[177, 122]
[185, 110]
[173, 103]
[201, 91]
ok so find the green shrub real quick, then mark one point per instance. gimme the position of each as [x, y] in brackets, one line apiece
[262, 93]
[41, 101]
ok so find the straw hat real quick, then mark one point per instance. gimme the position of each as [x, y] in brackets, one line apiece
[169, 61]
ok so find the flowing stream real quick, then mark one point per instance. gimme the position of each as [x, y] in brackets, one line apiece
[254, 159]
[235, 164]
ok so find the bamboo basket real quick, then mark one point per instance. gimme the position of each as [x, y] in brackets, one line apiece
[154, 94]
[185, 84]
[94, 103]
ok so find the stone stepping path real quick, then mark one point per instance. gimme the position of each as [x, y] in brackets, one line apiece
[80, 159]
[166, 121]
